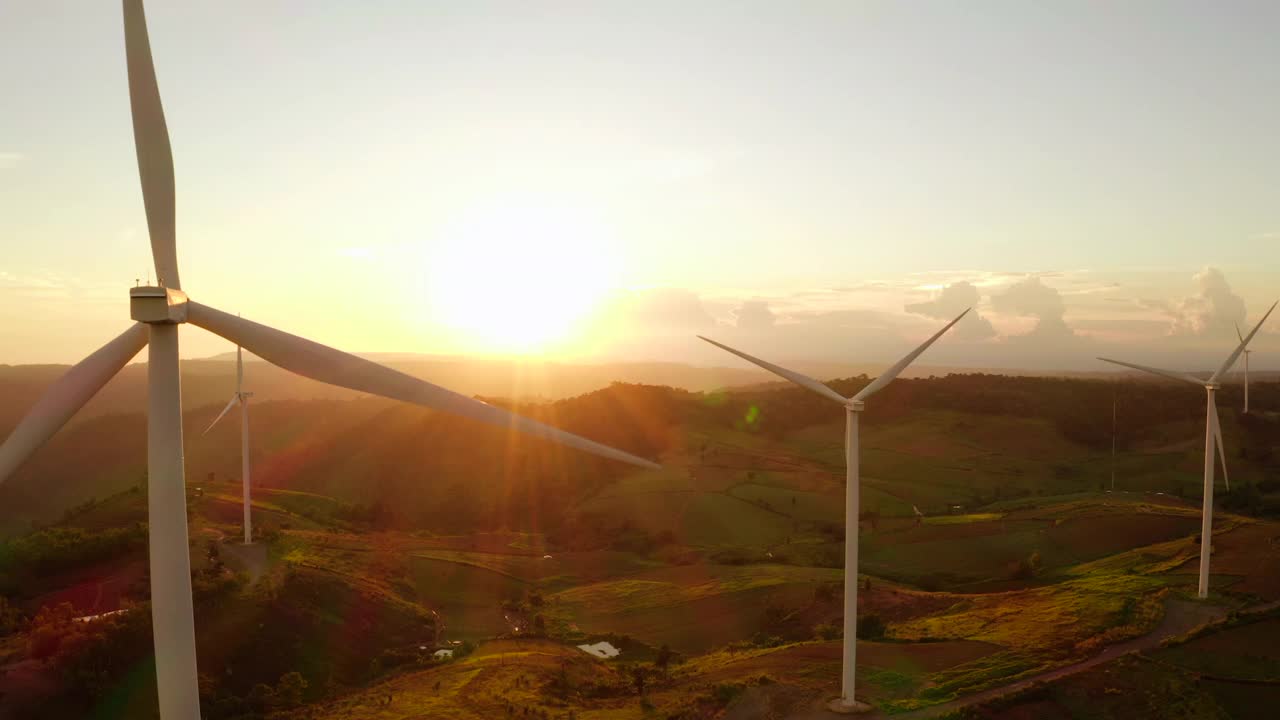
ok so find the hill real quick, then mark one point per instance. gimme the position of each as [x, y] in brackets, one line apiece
[386, 533]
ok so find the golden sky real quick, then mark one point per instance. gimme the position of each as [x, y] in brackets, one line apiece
[601, 180]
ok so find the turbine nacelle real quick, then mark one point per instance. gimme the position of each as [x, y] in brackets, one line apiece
[157, 305]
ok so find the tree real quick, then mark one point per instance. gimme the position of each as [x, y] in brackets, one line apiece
[261, 696]
[870, 627]
[637, 678]
[10, 617]
[664, 658]
[289, 689]
[826, 631]
[213, 556]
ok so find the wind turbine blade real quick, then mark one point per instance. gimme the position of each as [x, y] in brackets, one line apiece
[1217, 440]
[1238, 335]
[323, 363]
[887, 376]
[151, 143]
[1173, 374]
[239, 369]
[235, 400]
[803, 381]
[67, 395]
[1231, 359]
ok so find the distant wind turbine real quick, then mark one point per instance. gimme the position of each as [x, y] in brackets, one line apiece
[241, 398]
[1112, 440]
[1247, 353]
[158, 312]
[1212, 439]
[853, 406]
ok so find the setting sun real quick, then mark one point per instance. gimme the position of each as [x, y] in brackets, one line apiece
[520, 276]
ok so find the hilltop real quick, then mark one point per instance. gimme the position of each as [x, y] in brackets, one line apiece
[387, 533]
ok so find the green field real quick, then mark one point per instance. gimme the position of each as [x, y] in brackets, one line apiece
[691, 608]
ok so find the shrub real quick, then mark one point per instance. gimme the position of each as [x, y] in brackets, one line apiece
[870, 627]
[289, 690]
[826, 631]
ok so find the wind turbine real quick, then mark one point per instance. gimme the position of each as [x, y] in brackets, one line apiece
[1247, 353]
[1212, 439]
[241, 398]
[853, 406]
[159, 311]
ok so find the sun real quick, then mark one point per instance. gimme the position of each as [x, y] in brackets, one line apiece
[520, 276]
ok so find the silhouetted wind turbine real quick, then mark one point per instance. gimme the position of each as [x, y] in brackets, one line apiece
[159, 311]
[1212, 439]
[1247, 353]
[853, 406]
[241, 398]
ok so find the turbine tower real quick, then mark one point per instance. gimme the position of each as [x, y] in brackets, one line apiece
[1212, 439]
[241, 398]
[158, 311]
[1247, 353]
[853, 406]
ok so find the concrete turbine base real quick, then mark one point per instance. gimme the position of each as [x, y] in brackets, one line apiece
[841, 707]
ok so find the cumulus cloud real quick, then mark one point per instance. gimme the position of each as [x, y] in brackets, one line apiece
[1214, 309]
[1030, 297]
[754, 315]
[952, 301]
[668, 309]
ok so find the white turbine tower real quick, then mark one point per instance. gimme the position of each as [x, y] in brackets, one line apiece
[159, 311]
[1212, 439]
[853, 406]
[1247, 353]
[241, 398]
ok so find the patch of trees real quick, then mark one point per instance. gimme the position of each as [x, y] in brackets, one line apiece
[597, 531]
[89, 659]
[57, 549]
[1079, 408]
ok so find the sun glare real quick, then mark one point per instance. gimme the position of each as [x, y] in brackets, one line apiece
[520, 277]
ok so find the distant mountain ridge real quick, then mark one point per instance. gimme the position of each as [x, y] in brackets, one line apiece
[210, 381]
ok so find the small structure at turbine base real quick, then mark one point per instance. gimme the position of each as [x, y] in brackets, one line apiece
[847, 707]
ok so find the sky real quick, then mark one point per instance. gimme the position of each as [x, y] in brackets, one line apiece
[602, 180]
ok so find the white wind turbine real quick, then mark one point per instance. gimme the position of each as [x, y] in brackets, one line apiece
[853, 406]
[159, 311]
[241, 398]
[1212, 439]
[1247, 353]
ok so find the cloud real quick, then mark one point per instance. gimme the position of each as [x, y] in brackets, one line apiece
[1030, 297]
[754, 315]
[10, 160]
[1213, 310]
[667, 309]
[952, 301]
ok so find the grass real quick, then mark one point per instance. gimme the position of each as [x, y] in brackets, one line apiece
[1246, 652]
[467, 596]
[1126, 688]
[963, 550]
[1054, 622]
[691, 608]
